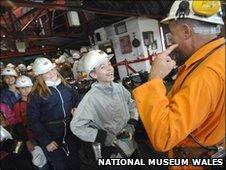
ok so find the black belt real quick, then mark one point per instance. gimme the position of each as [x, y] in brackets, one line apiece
[65, 120]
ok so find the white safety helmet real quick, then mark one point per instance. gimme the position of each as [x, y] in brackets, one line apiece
[8, 71]
[22, 67]
[42, 65]
[57, 61]
[10, 65]
[201, 10]
[23, 81]
[76, 55]
[29, 67]
[4, 134]
[62, 59]
[83, 50]
[70, 60]
[93, 59]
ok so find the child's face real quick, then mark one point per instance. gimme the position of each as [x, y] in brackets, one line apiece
[9, 80]
[104, 73]
[3, 121]
[50, 75]
[24, 91]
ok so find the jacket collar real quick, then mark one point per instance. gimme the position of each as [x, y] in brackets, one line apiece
[200, 53]
[52, 83]
[105, 88]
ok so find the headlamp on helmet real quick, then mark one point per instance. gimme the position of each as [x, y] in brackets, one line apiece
[201, 10]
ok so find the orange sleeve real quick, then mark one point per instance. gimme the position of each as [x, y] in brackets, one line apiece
[169, 121]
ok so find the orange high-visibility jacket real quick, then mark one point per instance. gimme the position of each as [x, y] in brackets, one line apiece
[197, 106]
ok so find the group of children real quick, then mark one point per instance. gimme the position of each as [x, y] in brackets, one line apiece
[55, 120]
[18, 148]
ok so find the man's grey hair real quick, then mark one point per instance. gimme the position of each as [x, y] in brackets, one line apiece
[201, 27]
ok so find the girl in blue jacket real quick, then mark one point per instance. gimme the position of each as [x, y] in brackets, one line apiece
[49, 115]
[9, 93]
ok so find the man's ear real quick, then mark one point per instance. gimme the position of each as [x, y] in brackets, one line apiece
[93, 75]
[186, 31]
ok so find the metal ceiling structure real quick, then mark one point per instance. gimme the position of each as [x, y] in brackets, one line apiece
[43, 24]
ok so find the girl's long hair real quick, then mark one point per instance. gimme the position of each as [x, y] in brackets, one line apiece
[42, 89]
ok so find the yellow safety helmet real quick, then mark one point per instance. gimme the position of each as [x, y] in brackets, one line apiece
[201, 10]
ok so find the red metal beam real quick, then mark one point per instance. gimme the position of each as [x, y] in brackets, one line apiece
[16, 35]
[21, 18]
[29, 52]
[118, 13]
[3, 29]
[11, 20]
[32, 20]
[26, 14]
[42, 37]
[126, 63]
[5, 21]
[49, 24]
[22, 3]
[74, 6]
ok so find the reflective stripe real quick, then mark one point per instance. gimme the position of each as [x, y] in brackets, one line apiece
[62, 104]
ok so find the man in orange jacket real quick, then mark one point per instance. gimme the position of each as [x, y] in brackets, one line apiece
[189, 121]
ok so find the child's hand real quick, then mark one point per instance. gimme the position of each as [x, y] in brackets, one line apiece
[130, 129]
[73, 111]
[30, 146]
[124, 135]
[110, 138]
[52, 146]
